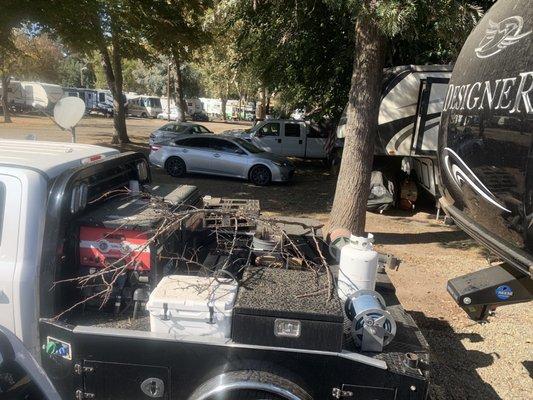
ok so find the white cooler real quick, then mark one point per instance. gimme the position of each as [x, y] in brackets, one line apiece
[184, 305]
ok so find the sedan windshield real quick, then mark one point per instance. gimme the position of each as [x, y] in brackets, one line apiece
[248, 146]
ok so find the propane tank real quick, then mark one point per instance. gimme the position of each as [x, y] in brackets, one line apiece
[358, 266]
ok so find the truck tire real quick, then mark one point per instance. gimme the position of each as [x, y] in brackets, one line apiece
[260, 175]
[175, 167]
[249, 385]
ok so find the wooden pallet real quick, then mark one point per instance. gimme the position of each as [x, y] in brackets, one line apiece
[241, 213]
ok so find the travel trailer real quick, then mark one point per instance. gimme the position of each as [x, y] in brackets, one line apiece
[41, 95]
[16, 97]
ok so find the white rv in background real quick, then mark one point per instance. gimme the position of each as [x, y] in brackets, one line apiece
[144, 106]
[41, 95]
[16, 97]
[194, 106]
[99, 101]
[408, 124]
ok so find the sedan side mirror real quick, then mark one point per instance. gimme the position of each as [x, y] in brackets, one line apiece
[239, 151]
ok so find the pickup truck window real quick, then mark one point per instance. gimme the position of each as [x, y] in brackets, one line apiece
[292, 130]
[270, 129]
[317, 132]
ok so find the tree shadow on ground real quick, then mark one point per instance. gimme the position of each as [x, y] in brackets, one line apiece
[528, 365]
[453, 368]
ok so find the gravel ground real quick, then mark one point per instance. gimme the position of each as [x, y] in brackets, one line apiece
[469, 361]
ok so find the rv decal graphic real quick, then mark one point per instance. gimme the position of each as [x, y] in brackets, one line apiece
[500, 35]
[511, 93]
[461, 174]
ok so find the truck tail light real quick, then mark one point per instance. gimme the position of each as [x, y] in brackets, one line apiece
[91, 159]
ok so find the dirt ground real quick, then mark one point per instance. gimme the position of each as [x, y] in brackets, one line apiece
[469, 360]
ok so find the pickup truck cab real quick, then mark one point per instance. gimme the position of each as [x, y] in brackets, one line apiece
[289, 138]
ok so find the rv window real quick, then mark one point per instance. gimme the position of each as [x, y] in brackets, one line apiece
[101, 97]
[292, 130]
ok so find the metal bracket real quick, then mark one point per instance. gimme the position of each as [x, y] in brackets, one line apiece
[339, 393]
[81, 395]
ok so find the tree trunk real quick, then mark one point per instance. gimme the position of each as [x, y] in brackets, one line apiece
[260, 107]
[223, 102]
[353, 184]
[181, 106]
[5, 98]
[113, 74]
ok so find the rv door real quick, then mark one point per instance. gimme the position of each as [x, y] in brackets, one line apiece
[429, 109]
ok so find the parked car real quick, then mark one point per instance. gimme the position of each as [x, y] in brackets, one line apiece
[200, 116]
[173, 130]
[225, 156]
[288, 138]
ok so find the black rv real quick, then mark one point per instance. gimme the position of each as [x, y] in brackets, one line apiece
[485, 151]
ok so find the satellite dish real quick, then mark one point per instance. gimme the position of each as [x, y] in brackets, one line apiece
[68, 112]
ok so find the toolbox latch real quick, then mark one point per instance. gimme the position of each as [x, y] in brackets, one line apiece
[81, 395]
[338, 393]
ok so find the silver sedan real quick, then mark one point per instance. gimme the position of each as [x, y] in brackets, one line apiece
[220, 155]
[173, 130]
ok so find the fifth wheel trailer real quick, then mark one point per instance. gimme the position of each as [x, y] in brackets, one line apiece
[406, 140]
[485, 152]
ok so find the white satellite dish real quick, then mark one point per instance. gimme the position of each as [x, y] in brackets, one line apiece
[68, 111]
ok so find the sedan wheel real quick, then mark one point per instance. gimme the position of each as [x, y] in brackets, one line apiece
[175, 167]
[260, 175]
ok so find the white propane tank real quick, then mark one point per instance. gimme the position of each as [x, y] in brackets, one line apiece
[358, 266]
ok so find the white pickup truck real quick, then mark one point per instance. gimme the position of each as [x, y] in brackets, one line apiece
[287, 137]
[54, 196]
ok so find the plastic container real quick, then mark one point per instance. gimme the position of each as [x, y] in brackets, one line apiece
[358, 266]
[184, 305]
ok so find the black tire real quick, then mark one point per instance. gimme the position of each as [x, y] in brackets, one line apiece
[260, 175]
[175, 167]
[144, 115]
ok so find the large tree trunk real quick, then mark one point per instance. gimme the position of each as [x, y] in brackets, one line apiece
[5, 98]
[181, 106]
[353, 184]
